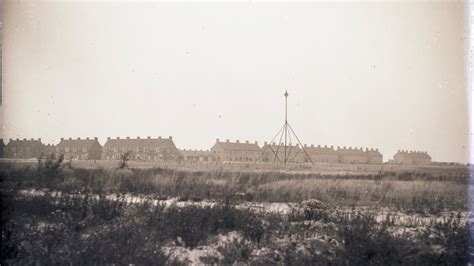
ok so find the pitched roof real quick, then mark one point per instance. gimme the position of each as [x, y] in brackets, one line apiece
[413, 154]
[373, 152]
[320, 149]
[350, 151]
[139, 143]
[244, 146]
[272, 148]
[24, 143]
[77, 143]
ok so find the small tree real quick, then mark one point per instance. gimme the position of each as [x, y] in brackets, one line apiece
[124, 160]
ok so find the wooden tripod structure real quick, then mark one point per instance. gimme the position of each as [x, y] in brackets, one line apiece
[284, 134]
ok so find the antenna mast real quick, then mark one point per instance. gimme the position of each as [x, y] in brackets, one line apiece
[285, 133]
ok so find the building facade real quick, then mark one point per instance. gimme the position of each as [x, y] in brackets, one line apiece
[411, 157]
[146, 149]
[236, 151]
[79, 149]
[197, 156]
[274, 153]
[352, 155]
[2, 148]
[321, 154]
[23, 149]
[374, 156]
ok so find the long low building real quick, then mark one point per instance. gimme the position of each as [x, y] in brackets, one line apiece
[197, 156]
[236, 151]
[411, 157]
[23, 148]
[164, 149]
[79, 149]
[141, 149]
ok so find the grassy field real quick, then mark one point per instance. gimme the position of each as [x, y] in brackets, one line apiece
[395, 216]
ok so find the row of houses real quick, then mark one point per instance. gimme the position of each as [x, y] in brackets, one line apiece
[164, 149]
[272, 152]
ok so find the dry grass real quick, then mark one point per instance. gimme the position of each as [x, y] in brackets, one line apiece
[420, 191]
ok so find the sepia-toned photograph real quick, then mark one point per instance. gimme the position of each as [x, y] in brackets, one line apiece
[236, 133]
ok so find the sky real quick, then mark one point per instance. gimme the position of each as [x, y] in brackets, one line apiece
[387, 75]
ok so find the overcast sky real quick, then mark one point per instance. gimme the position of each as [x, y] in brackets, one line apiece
[385, 75]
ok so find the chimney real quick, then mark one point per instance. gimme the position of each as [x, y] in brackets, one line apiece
[338, 147]
[148, 137]
[118, 137]
[24, 138]
[159, 137]
[273, 143]
[217, 140]
[227, 140]
[325, 146]
[304, 145]
[138, 137]
[78, 138]
[256, 142]
[237, 141]
[108, 138]
[264, 143]
[332, 147]
[62, 139]
[170, 137]
[246, 142]
[39, 139]
[312, 145]
[87, 138]
[319, 146]
[32, 139]
[96, 138]
[17, 139]
[297, 145]
[70, 138]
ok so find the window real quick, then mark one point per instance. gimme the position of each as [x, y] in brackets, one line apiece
[84, 149]
[105, 149]
[137, 149]
[67, 149]
[145, 149]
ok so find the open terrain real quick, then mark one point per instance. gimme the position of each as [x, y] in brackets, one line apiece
[92, 212]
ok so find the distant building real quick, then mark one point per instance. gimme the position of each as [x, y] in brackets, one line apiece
[236, 151]
[23, 149]
[197, 155]
[411, 157]
[49, 149]
[149, 149]
[79, 149]
[2, 148]
[275, 153]
[320, 154]
[374, 156]
[352, 155]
